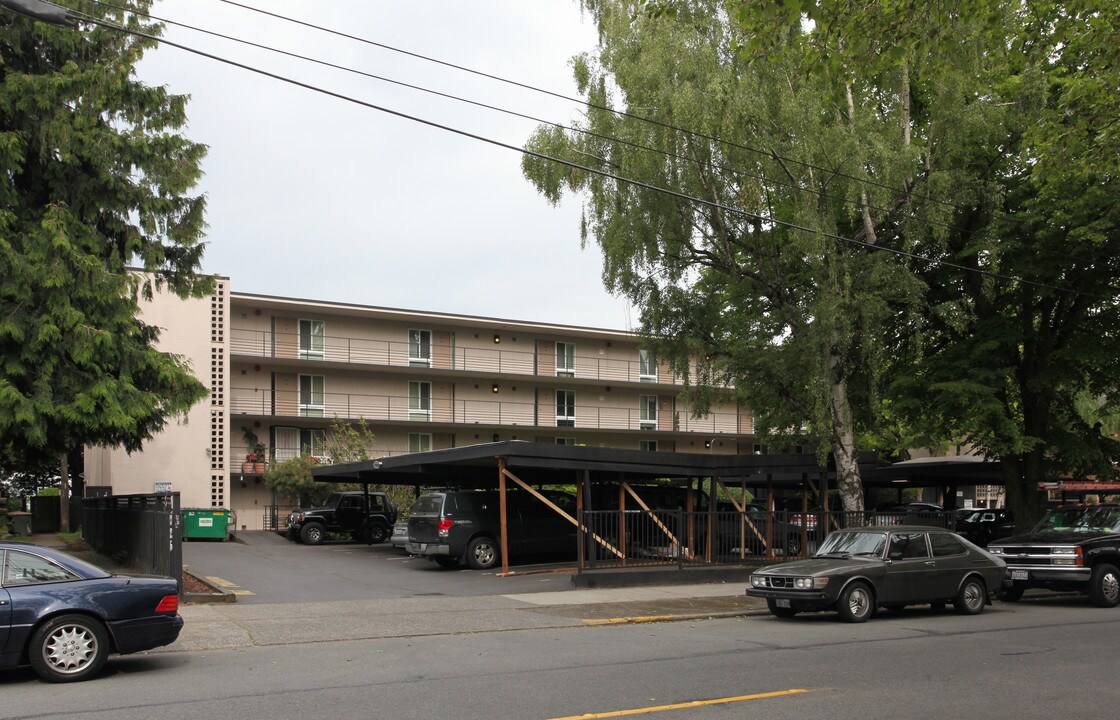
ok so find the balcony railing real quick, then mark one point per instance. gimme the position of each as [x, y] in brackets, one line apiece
[474, 412]
[488, 361]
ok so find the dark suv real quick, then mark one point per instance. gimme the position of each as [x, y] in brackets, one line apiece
[1071, 548]
[450, 527]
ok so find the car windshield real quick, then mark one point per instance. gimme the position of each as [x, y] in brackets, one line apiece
[868, 544]
[1080, 519]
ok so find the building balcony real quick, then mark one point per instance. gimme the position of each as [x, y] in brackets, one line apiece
[259, 344]
[495, 413]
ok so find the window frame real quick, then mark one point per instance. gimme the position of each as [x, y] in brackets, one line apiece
[420, 403]
[647, 412]
[318, 339]
[646, 359]
[307, 406]
[420, 341]
[565, 351]
[419, 437]
[568, 404]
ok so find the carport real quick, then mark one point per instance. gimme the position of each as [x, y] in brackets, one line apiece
[528, 466]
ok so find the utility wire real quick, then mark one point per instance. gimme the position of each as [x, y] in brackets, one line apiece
[552, 93]
[541, 156]
[885, 212]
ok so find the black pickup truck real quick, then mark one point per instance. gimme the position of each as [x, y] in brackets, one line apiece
[347, 513]
[1071, 548]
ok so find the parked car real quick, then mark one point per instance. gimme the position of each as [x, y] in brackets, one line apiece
[64, 617]
[858, 570]
[984, 525]
[1071, 548]
[912, 513]
[399, 539]
[346, 513]
[464, 526]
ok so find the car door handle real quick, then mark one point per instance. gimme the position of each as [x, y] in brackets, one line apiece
[3, 602]
[931, 562]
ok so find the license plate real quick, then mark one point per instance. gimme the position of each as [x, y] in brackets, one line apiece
[782, 603]
[1020, 575]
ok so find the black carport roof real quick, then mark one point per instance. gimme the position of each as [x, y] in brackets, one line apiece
[477, 466]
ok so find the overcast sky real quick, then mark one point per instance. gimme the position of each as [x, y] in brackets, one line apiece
[315, 197]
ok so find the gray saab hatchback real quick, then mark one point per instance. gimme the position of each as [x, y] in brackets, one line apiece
[859, 570]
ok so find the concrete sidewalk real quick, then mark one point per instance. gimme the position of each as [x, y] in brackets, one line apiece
[229, 625]
[210, 626]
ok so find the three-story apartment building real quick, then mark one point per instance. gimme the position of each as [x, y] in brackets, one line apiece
[282, 369]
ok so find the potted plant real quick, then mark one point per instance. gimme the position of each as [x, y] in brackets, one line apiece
[256, 458]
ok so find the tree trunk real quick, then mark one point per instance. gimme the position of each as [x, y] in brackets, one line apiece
[848, 481]
[64, 495]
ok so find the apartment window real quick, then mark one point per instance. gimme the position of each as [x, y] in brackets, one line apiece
[290, 442]
[647, 412]
[313, 442]
[420, 348]
[565, 408]
[312, 339]
[649, 445]
[647, 366]
[312, 395]
[419, 442]
[565, 441]
[565, 359]
[419, 400]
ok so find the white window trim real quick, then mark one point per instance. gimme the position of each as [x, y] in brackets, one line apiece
[312, 409]
[565, 370]
[420, 414]
[567, 420]
[647, 406]
[313, 353]
[419, 360]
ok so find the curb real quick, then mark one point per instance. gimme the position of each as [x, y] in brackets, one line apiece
[638, 619]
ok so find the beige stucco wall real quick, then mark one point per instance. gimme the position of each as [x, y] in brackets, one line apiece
[181, 454]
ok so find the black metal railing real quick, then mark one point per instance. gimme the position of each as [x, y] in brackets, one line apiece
[637, 538]
[276, 517]
[142, 532]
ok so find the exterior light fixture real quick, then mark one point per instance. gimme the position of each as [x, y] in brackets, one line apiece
[497, 339]
[494, 388]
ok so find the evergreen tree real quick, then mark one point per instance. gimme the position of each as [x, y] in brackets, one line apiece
[97, 184]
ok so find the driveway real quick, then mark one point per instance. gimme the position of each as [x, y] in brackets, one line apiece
[263, 567]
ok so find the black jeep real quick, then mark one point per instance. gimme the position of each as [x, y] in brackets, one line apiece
[345, 512]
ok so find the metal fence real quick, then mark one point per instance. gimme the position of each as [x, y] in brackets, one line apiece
[637, 538]
[276, 516]
[142, 532]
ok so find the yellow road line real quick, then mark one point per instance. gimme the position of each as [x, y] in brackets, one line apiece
[624, 620]
[681, 706]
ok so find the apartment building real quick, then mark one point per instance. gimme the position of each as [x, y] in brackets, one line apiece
[282, 369]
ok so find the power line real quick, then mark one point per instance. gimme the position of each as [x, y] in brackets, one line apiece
[541, 156]
[561, 96]
[886, 212]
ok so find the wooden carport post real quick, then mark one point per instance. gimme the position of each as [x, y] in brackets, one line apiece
[502, 514]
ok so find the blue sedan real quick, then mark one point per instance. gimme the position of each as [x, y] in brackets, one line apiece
[64, 617]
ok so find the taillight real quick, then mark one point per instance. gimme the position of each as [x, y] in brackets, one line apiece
[169, 604]
[444, 526]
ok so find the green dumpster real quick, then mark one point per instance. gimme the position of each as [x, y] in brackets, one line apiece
[206, 523]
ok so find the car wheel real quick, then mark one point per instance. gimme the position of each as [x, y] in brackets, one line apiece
[782, 612]
[971, 598]
[482, 553]
[377, 534]
[1011, 594]
[1104, 586]
[68, 648]
[793, 546]
[447, 562]
[312, 534]
[856, 603]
